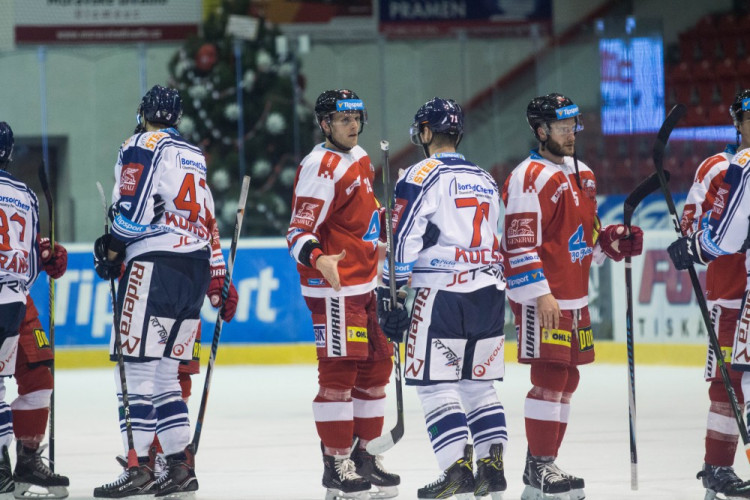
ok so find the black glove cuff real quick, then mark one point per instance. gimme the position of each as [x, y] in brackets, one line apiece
[306, 250]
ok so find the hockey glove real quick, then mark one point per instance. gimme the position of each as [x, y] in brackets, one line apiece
[105, 268]
[686, 251]
[214, 294]
[393, 322]
[54, 263]
[383, 236]
[617, 243]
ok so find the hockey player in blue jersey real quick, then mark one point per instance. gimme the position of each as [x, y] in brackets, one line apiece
[164, 232]
[445, 219]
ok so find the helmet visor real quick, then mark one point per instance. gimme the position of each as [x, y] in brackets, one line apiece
[414, 131]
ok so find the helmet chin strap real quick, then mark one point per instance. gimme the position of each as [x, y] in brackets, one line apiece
[336, 143]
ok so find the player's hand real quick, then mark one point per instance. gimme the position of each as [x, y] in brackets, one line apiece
[214, 295]
[686, 251]
[54, 262]
[328, 266]
[617, 242]
[548, 311]
[393, 322]
[105, 268]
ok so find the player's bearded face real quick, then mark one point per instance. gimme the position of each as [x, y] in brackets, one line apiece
[562, 139]
[345, 128]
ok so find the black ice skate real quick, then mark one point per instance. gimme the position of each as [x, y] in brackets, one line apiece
[490, 478]
[341, 478]
[137, 482]
[723, 481]
[576, 484]
[6, 476]
[34, 479]
[543, 480]
[457, 480]
[371, 468]
[178, 479]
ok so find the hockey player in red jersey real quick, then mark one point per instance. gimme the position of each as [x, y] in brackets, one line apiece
[725, 285]
[551, 237]
[333, 236]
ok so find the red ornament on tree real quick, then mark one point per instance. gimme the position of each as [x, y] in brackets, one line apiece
[206, 57]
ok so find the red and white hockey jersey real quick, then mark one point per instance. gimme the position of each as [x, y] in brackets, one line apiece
[726, 275]
[549, 241]
[334, 203]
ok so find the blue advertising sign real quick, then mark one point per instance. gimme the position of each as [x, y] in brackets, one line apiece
[270, 307]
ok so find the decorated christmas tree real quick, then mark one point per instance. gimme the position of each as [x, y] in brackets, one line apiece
[204, 71]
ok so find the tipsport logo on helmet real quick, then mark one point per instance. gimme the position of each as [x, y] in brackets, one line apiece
[350, 105]
[746, 104]
[567, 112]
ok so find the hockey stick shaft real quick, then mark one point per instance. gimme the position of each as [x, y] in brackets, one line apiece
[51, 213]
[387, 441]
[677, 112]
[132, 455]
[219, 321]
[648, 186]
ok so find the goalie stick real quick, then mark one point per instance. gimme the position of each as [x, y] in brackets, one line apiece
[132, 455]
[385, 442]
[51, 213]
[219, 321]
[661, 142]
[648, 186]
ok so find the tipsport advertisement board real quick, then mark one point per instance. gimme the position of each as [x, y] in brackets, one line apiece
[270, 308]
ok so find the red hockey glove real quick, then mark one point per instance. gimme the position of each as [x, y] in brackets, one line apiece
[617, 243]
[214, 294]
[54, 263]
[383, 237]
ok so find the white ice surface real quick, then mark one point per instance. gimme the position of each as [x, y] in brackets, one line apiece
[259, 439]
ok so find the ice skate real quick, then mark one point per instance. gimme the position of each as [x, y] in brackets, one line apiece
[34, 479]
[371, 468]
[177, 479]
[722, 483]
[135, 483]
[543, 480]
[490, 478]
[6, 477]
[342, 481]
[576, 484]
[456, 481]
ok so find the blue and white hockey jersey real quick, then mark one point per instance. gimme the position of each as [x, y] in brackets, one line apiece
[463, 202]
[162, 163]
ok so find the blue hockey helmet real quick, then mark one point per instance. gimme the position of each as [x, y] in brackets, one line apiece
[161, 105]
[550, 108]
[443, 116]
[6, 143]
[740, 104]
[341, 100]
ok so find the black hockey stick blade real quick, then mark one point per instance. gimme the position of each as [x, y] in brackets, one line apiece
[674, 116]
[649, 185]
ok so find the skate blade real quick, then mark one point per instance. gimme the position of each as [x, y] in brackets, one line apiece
[334, 494]
[179, 495]
[530, 493]
[464, 496]
[577, 494]
[384, 492]
[28, 490]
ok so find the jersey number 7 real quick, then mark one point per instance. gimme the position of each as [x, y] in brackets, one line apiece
[481, 210]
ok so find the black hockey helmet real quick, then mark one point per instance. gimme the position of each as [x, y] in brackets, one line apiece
[6, 143]
[550, 108]
[334, 101]
[161, 105]
[443, 116]
[740, 104]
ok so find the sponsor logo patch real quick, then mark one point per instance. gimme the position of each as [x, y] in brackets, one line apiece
[585, 339]
[328, 165]
[418, 175]
[320, 335]
[556, 337]
[41, 339]
[525, 278]
[523, 260]
[306, 212]
[130, 175]
[520, 230]
[720, 201]
[356, 334]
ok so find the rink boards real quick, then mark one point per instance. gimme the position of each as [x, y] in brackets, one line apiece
[272, 324]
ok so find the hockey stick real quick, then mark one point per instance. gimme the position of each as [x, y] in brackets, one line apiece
[385, 442]
[648, 186]
[132, 455]
[219, 321]
[661, 142]
[51, 212]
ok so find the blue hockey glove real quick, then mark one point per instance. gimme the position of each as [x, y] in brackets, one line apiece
[393, 322]
[105, 268]
[686, 251]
